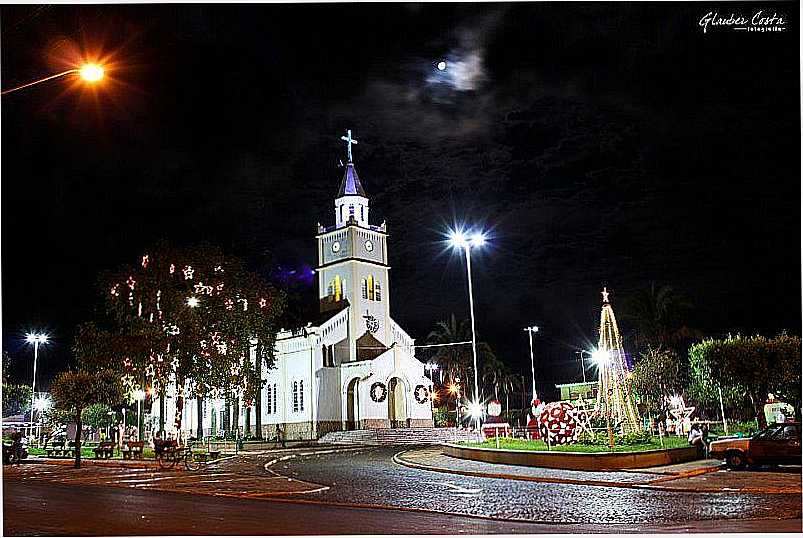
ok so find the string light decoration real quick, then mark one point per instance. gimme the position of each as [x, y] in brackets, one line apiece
[614, 399]
[158, 338]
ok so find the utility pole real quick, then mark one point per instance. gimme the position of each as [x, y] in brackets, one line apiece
[530, 331]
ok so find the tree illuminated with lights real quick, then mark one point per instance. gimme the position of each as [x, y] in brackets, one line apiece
[189, 316]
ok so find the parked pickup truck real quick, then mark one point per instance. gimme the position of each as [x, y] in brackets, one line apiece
[777, 444]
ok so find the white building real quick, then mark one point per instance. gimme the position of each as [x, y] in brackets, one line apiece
[354, 367]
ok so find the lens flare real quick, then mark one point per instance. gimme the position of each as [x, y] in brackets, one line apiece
[91, 72]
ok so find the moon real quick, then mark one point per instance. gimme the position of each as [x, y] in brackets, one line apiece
[442, 65]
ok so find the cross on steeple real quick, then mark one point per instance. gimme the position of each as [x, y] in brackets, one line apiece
[605, 294]
[349, 141]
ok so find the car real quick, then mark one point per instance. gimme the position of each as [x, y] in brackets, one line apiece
[778, 444]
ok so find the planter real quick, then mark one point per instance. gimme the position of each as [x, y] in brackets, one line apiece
[577, 461]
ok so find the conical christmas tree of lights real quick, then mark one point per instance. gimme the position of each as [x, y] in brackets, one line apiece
[613, 397]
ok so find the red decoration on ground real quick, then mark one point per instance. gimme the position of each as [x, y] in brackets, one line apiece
[560, 423]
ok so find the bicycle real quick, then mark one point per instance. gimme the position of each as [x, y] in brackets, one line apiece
[170, 456]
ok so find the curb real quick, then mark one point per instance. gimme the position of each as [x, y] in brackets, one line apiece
[652, 485]
[136, 464]
[686, 474]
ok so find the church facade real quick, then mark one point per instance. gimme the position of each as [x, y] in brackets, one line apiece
[352, 368]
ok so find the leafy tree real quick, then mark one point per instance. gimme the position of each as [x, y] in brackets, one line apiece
[75, 391]
[98, 416]
[748, 367]
[16, 399]
[185, 314]
[660, 373]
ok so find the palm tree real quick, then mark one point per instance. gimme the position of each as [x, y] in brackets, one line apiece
[492, 372]
[658, 314]
[511, 383]
[457, 360]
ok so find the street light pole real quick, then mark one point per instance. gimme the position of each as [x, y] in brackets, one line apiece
[89, 72]
[583, 363]
[35, 339]
[33, 383]
[530, 331]
[473, 332]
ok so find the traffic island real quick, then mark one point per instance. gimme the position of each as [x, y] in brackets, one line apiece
[575, 461]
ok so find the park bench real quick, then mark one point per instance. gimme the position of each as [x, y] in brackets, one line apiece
[207, 456]
[55, 450]
[104, 450]
[133, 450]
[59, 450]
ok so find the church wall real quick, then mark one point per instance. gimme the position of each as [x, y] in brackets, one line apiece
[377, 309]
[329, 398]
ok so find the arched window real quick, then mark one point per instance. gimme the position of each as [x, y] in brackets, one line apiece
[270, 399]
[378, 291]
[351, 211]
[364, 288]
[362, 212]
[336, 288]
[341, 212]
[371, 287]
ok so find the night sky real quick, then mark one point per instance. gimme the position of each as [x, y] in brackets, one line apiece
[600, 145]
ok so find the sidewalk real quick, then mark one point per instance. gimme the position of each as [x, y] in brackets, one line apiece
[686, 477]
[114, 462]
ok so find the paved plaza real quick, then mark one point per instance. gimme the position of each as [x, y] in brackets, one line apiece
[394, 479]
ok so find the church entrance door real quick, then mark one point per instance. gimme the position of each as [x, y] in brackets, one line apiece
[397, 404]
[353, 405]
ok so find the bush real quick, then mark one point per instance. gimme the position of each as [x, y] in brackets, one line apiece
[634, 438]
[747, 428]
[441, 417]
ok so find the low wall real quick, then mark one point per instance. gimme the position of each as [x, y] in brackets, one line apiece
[577, 461]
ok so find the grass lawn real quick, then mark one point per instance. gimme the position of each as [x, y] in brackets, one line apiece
[86, 452]
[522, 444]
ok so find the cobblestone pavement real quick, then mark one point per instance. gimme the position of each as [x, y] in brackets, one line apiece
[234, 477]
[369, 477]
[784, 480]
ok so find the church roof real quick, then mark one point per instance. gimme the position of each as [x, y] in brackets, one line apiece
[368, 347]
[351, 186]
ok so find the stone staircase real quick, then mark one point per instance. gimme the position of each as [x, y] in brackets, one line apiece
[399, 436]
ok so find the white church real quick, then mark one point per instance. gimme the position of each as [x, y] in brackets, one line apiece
[355, 367]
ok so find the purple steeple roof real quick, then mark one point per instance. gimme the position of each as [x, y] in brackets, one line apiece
[350, 186]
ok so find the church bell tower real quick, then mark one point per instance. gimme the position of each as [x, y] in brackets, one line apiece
[353, 264]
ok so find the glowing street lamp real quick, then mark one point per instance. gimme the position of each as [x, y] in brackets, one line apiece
[431, 367]
[601, 358]
[89, 73]
[475, 410]
[139, 395]
[459, 240]
[36, 339]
